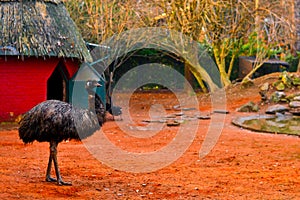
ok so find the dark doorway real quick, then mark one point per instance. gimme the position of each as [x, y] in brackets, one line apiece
[56, 84]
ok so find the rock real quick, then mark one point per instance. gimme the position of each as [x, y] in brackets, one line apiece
[173, 123]
[180, 121]
[278, 96]
[280, 117]
[247, 82]
[179, 114]
[290, 97]
[295, 111]
[263, 95]
[296, 81]
[177, 107]
[296, 98]
[248, 107]
[280, 86]
[188, 118]
[255, 108]
[188, 109]
[204, 117]
[294, 104]
[274, 84]
[154, 121]
[221, 111]
[277, 108]
[264, 87]
[286, 79]
[170, 116]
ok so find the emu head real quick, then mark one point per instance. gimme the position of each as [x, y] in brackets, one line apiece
[91, 84]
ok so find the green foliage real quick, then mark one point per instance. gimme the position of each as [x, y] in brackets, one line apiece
[292, 60]
[255, 45]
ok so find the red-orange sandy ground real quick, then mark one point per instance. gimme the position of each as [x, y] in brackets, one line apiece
[242, 165]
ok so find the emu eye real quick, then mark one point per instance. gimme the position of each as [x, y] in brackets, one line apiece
[88, 83]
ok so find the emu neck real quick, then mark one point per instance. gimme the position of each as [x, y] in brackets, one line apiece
[91, 99]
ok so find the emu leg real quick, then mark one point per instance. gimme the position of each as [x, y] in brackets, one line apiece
[48, 174]
[53, 156]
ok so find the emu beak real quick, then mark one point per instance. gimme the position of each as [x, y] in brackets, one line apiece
[98, 85]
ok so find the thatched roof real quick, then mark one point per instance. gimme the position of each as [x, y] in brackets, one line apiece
[39, 28]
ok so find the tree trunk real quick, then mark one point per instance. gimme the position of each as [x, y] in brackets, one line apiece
[220, 61]
[188, 75]
[197, 75]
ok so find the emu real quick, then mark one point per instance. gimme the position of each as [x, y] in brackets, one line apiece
[54, 121]
[114, 110]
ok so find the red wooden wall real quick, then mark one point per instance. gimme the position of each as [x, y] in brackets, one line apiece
[23, 83]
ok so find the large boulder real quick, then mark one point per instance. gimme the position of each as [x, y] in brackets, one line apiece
[277, 108]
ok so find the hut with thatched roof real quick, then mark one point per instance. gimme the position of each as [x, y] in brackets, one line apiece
[40, 51]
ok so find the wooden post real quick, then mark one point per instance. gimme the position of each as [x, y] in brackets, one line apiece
[297, 23]
[297, 27]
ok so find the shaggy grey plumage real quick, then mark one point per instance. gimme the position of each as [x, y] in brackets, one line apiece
[54, 121]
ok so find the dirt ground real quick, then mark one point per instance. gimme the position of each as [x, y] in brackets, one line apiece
[242, 164]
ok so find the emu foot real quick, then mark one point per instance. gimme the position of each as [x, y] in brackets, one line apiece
[59, 181]
[50, 179]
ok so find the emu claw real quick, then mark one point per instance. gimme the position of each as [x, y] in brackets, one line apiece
[50, 179]
[61, 182]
